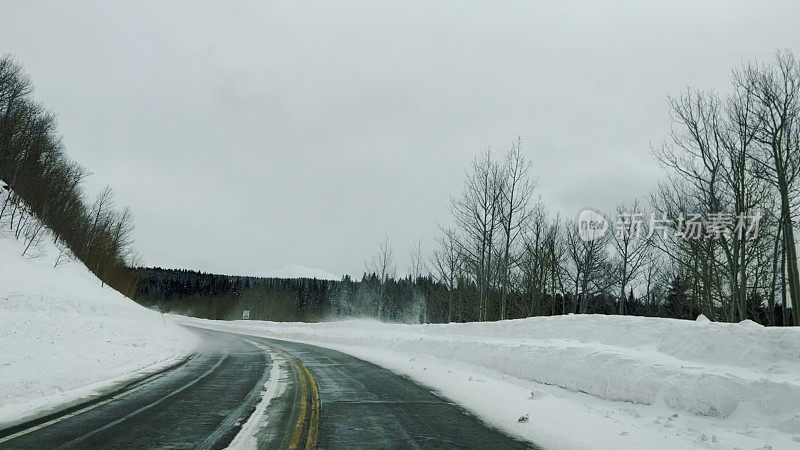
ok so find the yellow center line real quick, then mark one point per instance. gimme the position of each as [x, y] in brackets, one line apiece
[301, 419]
[313, 430]
[308, 418]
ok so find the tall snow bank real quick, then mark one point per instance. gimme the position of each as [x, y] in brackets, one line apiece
[64, 337]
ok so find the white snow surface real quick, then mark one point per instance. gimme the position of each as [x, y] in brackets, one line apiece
[590, 381]
[64, 337]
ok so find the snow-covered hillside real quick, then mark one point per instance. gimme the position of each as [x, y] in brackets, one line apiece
[592, 381]
[63, 337]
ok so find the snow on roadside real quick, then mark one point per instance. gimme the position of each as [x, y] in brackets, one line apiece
[591, 381]
[247, 437]
[64, 338]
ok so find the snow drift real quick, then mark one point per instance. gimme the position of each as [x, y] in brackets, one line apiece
[63, 337]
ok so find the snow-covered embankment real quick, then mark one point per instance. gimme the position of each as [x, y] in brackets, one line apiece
[64, 338]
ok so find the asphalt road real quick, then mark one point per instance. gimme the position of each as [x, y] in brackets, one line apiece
[365, 406]
[330, 400]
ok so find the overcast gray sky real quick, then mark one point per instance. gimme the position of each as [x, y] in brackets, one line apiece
[251, 135]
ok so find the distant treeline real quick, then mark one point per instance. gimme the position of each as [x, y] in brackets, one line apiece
[422, 300]
[215, 296]
[41, 188]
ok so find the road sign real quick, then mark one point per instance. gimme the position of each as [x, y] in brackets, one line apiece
[246, 315]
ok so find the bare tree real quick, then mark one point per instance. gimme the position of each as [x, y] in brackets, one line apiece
[698, 161]
[776, 128]
[516, 191]
[477, 214]
[448, 263]
[630, 242]
[540, 262]
[382, 263]
[747, 193]
[587, 267]
[417, 267]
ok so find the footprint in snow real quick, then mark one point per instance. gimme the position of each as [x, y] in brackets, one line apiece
[536, 395]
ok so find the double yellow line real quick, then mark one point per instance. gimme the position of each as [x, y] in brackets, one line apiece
[308, 419]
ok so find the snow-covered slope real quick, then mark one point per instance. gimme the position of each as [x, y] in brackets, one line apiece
[592, 381]
[63, 337]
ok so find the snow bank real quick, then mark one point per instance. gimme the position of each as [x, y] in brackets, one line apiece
[63, 337]
[740, 380]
